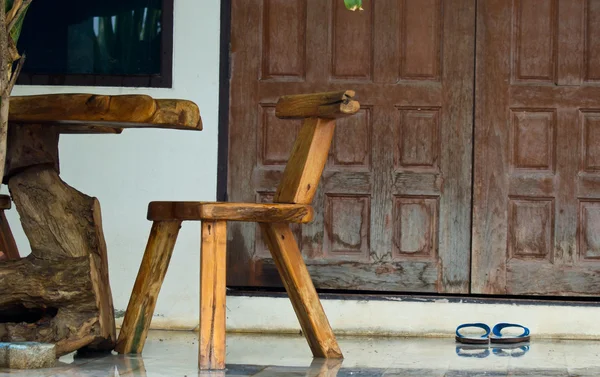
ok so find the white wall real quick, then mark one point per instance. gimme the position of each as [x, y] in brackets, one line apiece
[127, 171]
[418, 316]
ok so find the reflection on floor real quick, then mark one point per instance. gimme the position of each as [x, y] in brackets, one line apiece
[170, 353]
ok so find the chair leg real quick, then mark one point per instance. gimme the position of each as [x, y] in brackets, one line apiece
[8, 246]
[301, 290]
[211, 350]
[151, 274]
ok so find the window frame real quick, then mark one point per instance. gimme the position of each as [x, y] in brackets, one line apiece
[162, 80]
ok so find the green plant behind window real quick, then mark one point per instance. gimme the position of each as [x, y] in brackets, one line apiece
[353, 4]
[128, 35]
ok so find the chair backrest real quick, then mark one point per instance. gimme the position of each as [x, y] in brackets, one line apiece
[311, 148]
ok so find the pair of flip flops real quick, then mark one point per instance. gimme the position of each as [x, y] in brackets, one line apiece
[496, 337]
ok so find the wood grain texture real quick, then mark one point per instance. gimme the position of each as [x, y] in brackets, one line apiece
[307, 161]
[101, 111]
[45, 203]
[456, 141]
[5, 202]
[61, 297]
[296, 279]
[328, 105]
[571, 41]
[148, 282]
[357, 275]
[8, 246]
[532, 232]
[490, 192]
[294, 213]
[411, 140]
[211, 350]
[531, 278]
[30, 145]
[245, 139]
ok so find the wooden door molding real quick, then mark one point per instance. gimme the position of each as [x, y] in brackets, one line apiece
[224, 76]
[536, 218]
[393, 211]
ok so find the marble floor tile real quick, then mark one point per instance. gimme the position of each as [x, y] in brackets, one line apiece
[171, 353]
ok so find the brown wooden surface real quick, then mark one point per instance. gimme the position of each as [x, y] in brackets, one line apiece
[305, 167]
[294, 213]
[45, 203]
[536, 221]
[31, 145]
[8, 246]
[43, 286]
[313, 321]
[5, 202]
[299, 184]
[211, 349]
[329, 105]
[148, 282]
[392, 212]
[77, 112]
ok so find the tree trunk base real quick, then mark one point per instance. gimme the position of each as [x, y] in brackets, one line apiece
[60, 293]
[50, 302]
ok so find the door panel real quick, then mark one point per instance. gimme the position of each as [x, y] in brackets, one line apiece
[536, 209]
[393, 209]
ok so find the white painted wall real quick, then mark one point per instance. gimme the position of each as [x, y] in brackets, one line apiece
[417, 317]
[127, 171]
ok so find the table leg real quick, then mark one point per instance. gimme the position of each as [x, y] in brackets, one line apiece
[64, 228]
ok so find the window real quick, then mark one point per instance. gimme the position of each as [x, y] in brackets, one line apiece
[98, 43]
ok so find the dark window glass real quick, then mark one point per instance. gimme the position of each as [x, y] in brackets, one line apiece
[95, 37]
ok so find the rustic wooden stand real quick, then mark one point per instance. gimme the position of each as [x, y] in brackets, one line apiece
[60, 293]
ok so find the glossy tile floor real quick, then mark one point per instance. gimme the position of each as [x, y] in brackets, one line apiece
[171, 353]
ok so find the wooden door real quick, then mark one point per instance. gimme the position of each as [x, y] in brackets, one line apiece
[394, 206]
[536, 219]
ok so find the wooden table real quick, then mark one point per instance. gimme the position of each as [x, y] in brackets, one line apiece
[61, 293]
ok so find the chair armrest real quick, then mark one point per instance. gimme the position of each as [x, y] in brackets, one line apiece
[328, 105]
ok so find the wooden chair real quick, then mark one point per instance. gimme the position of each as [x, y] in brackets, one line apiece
[8, 246]
[291, 205]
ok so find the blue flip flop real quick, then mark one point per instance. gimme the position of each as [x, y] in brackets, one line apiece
[482, 339]
[497, 336]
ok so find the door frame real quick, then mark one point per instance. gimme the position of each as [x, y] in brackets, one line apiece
[223, 117]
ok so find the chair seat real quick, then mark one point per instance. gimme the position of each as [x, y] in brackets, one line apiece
[253, 212]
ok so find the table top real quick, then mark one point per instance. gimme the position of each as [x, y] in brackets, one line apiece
[90, 113]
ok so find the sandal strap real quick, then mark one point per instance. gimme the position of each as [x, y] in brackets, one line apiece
[483, 326]
[500, 326]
